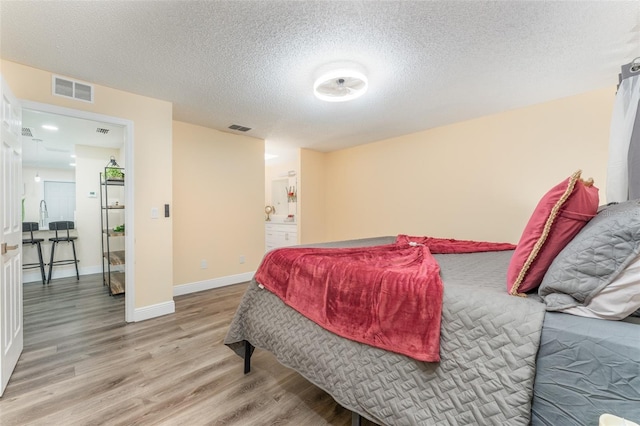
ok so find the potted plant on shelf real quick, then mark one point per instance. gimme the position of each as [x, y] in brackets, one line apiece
[113, 173]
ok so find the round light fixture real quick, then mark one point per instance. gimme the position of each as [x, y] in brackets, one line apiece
[340, 86]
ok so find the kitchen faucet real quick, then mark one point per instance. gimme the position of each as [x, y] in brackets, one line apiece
[44, 214]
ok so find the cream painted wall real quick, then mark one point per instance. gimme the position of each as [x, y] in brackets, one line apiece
[478, 179]
[152, 160]
[218, 203]
[312, 197]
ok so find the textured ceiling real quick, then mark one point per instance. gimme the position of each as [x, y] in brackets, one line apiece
[253, 63]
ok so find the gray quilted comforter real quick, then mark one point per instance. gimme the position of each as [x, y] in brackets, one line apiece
[488, 348]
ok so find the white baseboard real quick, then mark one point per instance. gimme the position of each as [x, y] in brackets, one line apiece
[153, 311]
[32, 275]
[182, 289]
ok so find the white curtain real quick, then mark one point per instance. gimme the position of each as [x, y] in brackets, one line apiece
[622, 122]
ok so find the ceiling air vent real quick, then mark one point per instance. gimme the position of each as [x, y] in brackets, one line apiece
[27, 132]
[239, 128]
[72, 89]
[102, 130]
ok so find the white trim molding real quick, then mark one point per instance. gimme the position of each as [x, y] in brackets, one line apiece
[183, 289]
[153, 311]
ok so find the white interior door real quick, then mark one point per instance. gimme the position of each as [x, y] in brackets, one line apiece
[11, 328]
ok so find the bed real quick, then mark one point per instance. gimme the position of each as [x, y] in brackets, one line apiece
[504, 359]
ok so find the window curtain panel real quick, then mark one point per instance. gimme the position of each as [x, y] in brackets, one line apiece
[623, 174]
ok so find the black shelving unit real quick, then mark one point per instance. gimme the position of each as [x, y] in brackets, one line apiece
[112, 260]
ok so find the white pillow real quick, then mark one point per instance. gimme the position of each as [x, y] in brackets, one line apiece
[616, 301]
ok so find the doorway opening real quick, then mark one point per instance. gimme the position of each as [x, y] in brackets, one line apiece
[88, 192]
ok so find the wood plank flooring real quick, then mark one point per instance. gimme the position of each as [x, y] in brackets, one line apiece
[83, 365]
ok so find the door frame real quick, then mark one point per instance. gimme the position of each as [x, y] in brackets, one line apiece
[129, 294]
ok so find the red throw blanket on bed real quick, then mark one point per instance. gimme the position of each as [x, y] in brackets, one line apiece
[387, 296]
[449, 246]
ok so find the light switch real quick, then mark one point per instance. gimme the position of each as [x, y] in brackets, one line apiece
[154, 213]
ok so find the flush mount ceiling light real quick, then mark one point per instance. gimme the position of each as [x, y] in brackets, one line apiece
[340, 86]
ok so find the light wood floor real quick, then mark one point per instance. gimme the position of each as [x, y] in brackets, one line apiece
[83, 365]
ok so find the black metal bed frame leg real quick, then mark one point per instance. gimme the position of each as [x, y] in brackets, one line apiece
[356, 419]
[248, 350]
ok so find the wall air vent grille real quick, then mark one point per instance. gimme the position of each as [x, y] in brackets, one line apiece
[27, 132]
[102, 130]
[239, 128]
[72, 89]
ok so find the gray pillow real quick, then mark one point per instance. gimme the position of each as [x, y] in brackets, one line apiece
[594, 258]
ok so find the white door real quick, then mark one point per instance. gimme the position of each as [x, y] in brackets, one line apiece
[10, 234]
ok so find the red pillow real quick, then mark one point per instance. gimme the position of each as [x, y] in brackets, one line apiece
[558, 217]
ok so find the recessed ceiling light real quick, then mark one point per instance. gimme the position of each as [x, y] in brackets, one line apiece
[72, 164]
[72, 156]
[49, 127]
[340, 85]
[269, 156]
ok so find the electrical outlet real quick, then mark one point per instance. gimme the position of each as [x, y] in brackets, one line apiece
[242, 258]
[203, 264]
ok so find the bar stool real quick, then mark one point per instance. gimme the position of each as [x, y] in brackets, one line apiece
[62, 225]
[30, 227]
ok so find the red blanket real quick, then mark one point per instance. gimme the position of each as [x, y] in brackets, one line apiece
[387, 296]
[450, 246]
